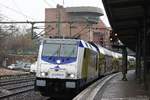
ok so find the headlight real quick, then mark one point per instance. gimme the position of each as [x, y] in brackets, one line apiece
[43, 74]
[58, 61]
[72, 75]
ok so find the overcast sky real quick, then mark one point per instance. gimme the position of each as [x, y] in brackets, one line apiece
[34, 10]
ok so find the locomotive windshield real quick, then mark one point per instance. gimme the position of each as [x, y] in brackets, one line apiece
[62, 50]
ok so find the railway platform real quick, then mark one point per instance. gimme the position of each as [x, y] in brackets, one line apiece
[116, 89]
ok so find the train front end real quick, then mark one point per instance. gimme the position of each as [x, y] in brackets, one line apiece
[57, 67]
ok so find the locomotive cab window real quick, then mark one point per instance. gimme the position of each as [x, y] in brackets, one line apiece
[62, 50]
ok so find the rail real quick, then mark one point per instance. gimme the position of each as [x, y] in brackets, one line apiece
[14, 85]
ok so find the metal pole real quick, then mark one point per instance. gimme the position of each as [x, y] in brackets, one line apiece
[144, 52]
[124, 63]
[138, 57]
[70, 29]
[137, 50]
[63, 2]
[32, 29]
[89, 33]
[58, 24]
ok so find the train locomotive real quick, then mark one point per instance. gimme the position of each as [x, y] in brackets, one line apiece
[67, 65]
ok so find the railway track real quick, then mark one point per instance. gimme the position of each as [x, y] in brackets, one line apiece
[15, 85]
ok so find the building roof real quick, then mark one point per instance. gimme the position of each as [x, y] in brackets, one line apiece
[83, 9]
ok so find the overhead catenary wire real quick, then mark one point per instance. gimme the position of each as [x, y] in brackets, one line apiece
[54, 2]
[18, 7]
[4, 17]
[16, 11]
[15, 4]
[81, 31]
[40, 33]
[98, 3]
[6, 34]
[47, 3]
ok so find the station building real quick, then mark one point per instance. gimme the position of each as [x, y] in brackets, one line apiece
[77, 22]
